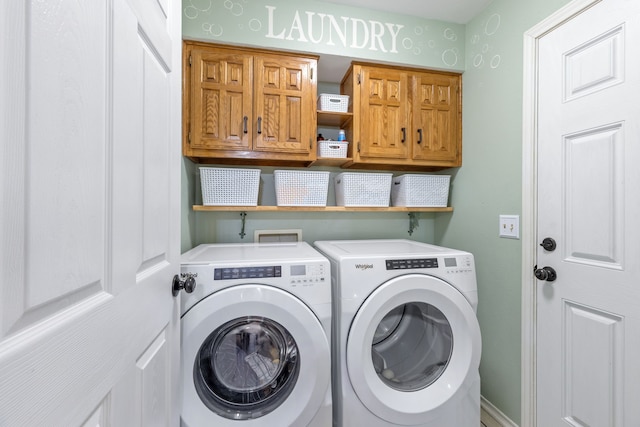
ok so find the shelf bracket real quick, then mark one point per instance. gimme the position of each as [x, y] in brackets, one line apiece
[413, 222]
[243, 215]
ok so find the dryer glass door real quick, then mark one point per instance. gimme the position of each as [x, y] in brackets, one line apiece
[246, 368]
[412, 346]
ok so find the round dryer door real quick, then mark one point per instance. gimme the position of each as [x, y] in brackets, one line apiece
[413, 346]
[254, 354]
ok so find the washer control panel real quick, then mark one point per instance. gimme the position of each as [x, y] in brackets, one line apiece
[295, 273]
[232, 273]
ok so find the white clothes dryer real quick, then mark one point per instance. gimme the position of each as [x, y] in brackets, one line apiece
[406, 340]
[256, 336]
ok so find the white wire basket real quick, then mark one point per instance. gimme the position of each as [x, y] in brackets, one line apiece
[333, 149]
[332, 102]
[415, 190]
[301, 188]
[229, 186]
[363, 189]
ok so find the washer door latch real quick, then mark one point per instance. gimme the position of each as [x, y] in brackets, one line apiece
[186, 281]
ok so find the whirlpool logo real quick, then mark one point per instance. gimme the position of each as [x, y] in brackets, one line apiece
[363, 267]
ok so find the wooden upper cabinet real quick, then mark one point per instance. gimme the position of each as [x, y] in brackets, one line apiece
[383, 114]
[404, 119]
[436, 119]
[221, 101]
[285, 117]
[248, 106]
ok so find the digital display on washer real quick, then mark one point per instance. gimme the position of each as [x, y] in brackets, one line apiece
[298, 270]
[403, 264]
[231, 273]
[450, 262]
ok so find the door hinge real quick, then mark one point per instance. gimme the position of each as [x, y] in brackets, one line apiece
[359, 78]
[189, 60]
[312, 69]
[358, 146]
[189, 137]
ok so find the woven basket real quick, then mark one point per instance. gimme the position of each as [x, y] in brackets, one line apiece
[415, 190]
[229, 187]
[301, 188]
[333, 149]
[363, 189]
[331, 102]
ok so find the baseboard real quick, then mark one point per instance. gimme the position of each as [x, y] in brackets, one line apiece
[492, 416]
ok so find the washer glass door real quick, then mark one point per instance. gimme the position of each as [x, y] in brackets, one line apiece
[246, 368]
[412, 346]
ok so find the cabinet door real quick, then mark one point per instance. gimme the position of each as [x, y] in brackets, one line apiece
[436, 119]
[383, 114]
[221, 101]
[285, 98]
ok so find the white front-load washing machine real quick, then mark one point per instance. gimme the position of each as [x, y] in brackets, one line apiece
[256, 336]
[406, 340]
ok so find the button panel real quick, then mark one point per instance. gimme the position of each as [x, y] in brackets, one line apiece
[405, 264]
[232, 273]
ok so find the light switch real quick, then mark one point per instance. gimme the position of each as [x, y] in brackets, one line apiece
[510, 226]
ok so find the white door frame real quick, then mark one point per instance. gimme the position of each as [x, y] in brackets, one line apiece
[529, 201]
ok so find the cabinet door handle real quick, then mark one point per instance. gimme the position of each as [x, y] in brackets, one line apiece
[404, 134]
[246, 120]
[259, 125]
[419, 136]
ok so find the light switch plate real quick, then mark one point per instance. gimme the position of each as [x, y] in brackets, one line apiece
[509, 226]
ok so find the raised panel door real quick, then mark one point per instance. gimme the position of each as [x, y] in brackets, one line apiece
[587, 319]
[285, 118]
[436, 119]
[221, 100]
[383, 114]
[90, 213]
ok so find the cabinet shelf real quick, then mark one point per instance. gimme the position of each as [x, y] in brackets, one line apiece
[332, 161]
[317, 209]
[332, 118]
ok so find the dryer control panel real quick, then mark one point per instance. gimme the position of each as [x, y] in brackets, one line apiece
[453, 264]
[403, 264]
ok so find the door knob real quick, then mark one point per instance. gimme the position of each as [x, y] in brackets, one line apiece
[548, 244]
[545, 273]
[186, 281]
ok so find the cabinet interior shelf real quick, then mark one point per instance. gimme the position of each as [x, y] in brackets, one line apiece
[318, 209]
[333, 118]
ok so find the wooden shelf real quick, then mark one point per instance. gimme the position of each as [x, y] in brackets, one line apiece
[332, 118]
[332, 161]
[316, 209]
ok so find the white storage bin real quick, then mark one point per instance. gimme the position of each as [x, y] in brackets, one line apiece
[334, 149]
[332, 102]
[415, 190]
[363, 189]
[301, 188]
[229, 187]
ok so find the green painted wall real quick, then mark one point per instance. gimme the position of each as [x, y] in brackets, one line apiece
[326, 28]
[489, 51]
[489, 184]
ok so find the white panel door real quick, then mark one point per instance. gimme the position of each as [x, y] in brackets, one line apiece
[588, 330]
[89, 212]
